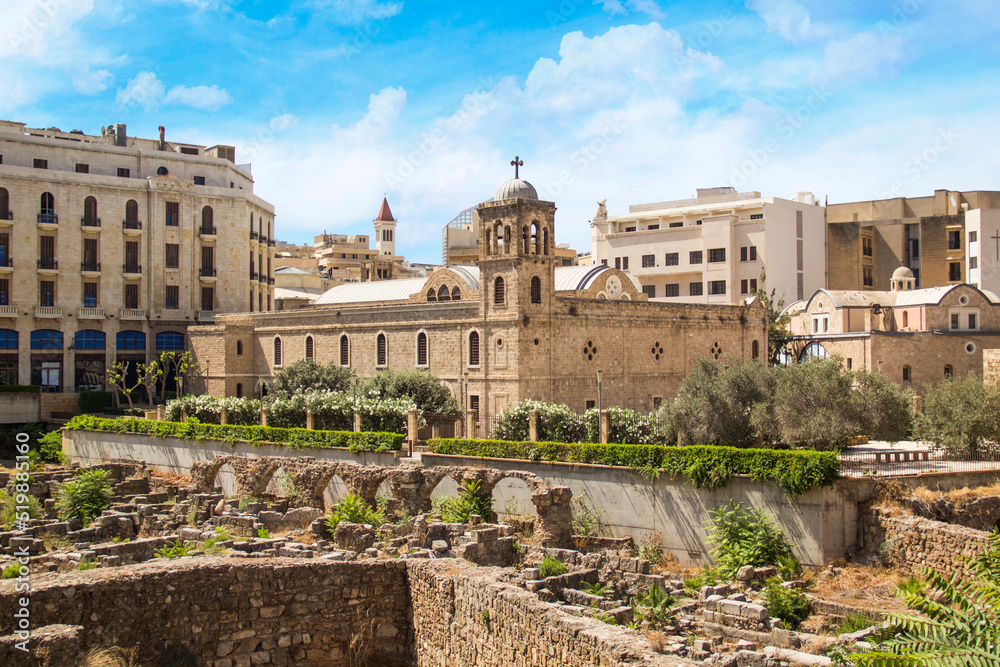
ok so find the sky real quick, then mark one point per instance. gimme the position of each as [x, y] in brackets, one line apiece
[335, 102]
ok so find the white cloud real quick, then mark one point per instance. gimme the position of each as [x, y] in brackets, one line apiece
[649, 7]
[866, 54]
[147, 91]
[91, 82]
[787, 18]
[384, 109]
[353, 12]
[206, 98]
[144, 90]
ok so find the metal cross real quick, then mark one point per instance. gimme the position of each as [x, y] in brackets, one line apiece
[516, 162]
[996, 237]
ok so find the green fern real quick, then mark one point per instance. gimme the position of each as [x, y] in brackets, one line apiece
[962, 630]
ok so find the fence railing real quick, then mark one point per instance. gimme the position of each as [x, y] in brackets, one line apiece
[913, 462]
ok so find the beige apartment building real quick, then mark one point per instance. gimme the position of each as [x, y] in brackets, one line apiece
[111, 246]
[948, 238]
[713, 248]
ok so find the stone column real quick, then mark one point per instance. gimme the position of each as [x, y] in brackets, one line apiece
[412, 426]
[263, 418]
[435, 430]
[533, 425]
[357, 422]
[184, 415]
[224, 416]
[161, 412]
[470, 424]
[605, 426]
[918, 405]
[310, 420]
[554, 525]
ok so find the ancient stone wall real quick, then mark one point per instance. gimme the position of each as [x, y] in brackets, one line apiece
[909, 541]
[991, 366]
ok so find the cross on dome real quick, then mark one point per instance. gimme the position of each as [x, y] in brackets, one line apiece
[516, 163]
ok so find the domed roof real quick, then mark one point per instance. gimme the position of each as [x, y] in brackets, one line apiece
[516, 189]
[902, 273]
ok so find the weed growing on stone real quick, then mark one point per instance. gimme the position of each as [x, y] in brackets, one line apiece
[353, 509]
[471, 500]
[263, 533]
[910, 586]
[708, 576]
[654, 607]
[112, 657]
[597, 588]
[744, 536]
[788, 604]
[86, 497]
[8, 509]
[586, 519]
[649, 548]
[550, 567]
[174, 550]
[86, 564]
[12, 571]
[56, 542]
[854, 621]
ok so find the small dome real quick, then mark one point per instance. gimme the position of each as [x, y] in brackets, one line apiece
[516, 189]
[902, 273]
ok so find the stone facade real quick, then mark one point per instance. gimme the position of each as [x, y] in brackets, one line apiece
[520, 328]
[991, 366]
[101, 244]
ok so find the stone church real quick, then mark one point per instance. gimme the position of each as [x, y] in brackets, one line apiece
[514, 327]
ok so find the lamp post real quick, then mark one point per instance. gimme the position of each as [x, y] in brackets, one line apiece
[600, 374]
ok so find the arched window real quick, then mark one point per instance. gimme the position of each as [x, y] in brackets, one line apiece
[525, 243]
[506, 239]
[170, 341]
[130, 340]
[536, 290]
[535, 238]
[444, 294]
[207, 217]
[8, 339]
[906, 319]
[382, 351]
[432, 295]
[814, 349]
[46, 339]
[309, 347]
[755, 350]
[906, 373]
[545, 241]
[4, 204]
[239, 347]
[48, 204]
[345, 351]
[456, 294]
[131, 211]
[277, 351]
[948, 371]
[89, 339]
[498, 233]
[239, 390]
[489, 242]
[90, 208]
[421, 349]
[498, 291]
[474, 348]
[162, 171]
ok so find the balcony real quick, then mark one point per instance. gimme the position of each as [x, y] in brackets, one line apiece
[206, 273]
[270, 281]
[90, 222]
[132, 269]
[48, 219]
[204, 315]
[48, 311]
[48, 265]
[253, 236]
[131, 225]
[253, 275]
[132, 314]
[263, 239]
[207, 230]
[6, 218]
[91, 313]
[6, 263]
[262, 278]
[272, 243]
[90, 267]
[8, 311]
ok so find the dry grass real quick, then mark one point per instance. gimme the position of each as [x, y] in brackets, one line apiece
[166, 477]
[657, 640]
[871, 586]
[958, 496]
[112, 657]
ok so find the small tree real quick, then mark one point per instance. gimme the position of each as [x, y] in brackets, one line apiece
[180, 365]
[307, 375]
[815, 404]
[149, 375]
[744, 536]
[961, 415]
[422, 387]
[118, 377]
[885, 408]
[778, 335]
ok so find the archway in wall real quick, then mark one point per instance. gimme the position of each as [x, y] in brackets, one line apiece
[512, 500]
[384, 493]
[281, 485]
[225, 481]
[333, 492]
[814, 350]
[446, 488]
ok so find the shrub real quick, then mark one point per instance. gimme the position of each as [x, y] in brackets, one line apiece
[307, 375]
[174, 550]
[471, 500]
[961, 415]
[727, 404]
[85, 497]
[556, 423]
[745, 537]
[550, 567]
[654, 606]
[788, 604]
[854, 621]
[586, 519]
[815, 405]
[85, 564]
[424, 389]
[292, 438]
[96, 401]
[353, 509]
[20, 389]
[708, 576]
[885, 409]
[706, 467]
[629, 427]
[9, 512]
[12, 571]
[50, 447]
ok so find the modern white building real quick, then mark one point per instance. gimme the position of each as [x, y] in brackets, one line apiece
[714, 247]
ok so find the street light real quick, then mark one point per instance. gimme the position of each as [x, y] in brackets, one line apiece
[600, 373]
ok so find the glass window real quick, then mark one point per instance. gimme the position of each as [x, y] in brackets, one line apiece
[671, 259]
[672, 289]
[169, 341]
[717, 255]
[8, 339]
[89, 339]
[696, 289]
[717, 287]
[130, 340]
[648, 261]
[46, 339]
[695, 257]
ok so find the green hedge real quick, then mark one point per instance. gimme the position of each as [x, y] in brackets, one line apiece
[292, 438]
[96, 401]
[20, 389]
[705, 466]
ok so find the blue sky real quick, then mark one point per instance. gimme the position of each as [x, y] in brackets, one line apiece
[336, 101]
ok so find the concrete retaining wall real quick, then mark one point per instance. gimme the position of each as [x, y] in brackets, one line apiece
[822, 524]
[20, 408]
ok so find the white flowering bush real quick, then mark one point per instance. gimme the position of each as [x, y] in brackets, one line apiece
[629, 427]
[556, 423]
